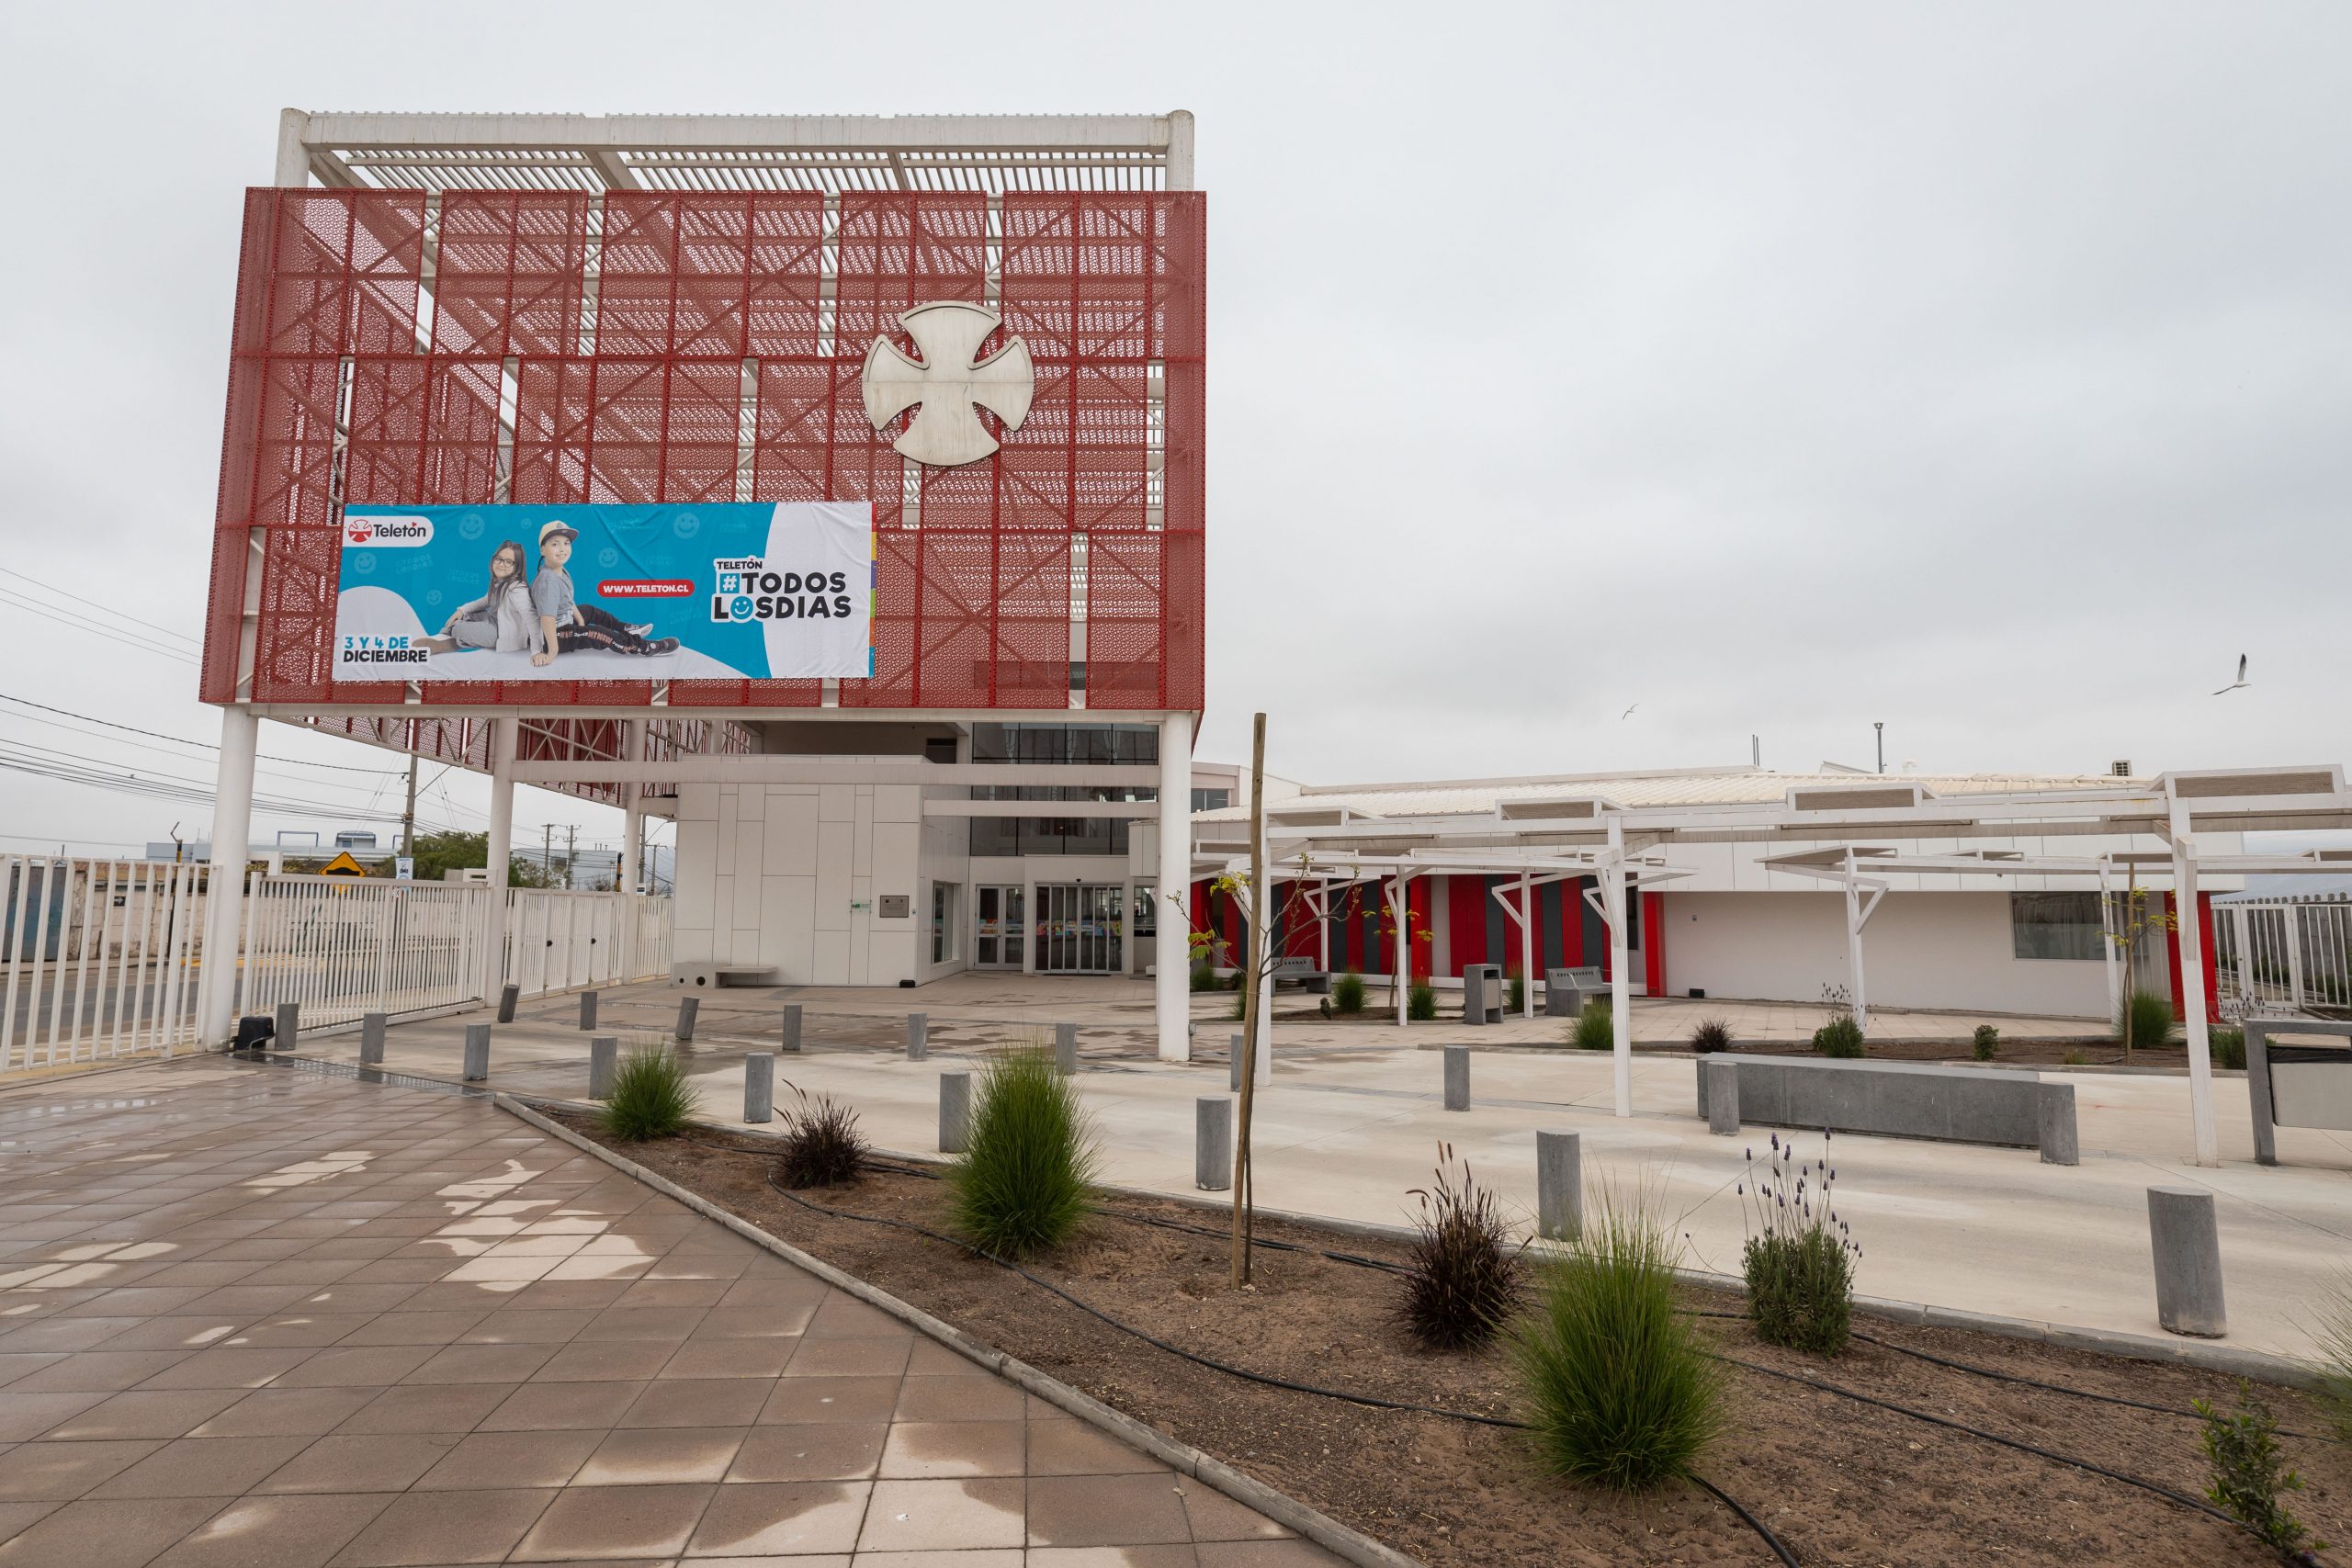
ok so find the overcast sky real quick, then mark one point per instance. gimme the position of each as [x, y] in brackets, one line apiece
[1985, 371]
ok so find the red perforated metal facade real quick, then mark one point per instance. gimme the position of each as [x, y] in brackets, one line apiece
[367, 366]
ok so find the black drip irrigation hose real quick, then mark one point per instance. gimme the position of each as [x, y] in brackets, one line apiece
[1358, 1261]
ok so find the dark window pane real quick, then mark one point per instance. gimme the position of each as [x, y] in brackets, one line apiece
[2055, 925]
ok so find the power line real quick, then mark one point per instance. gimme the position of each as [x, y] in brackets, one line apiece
[94, 605]
[67, 618]
[200, 745]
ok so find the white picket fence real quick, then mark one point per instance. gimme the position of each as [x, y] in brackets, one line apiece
[2285, 956]
[100, 958]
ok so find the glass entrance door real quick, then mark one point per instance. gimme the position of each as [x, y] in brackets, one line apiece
[1081, 930]
[1002, 932]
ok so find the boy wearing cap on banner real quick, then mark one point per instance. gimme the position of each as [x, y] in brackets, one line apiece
[564, 622]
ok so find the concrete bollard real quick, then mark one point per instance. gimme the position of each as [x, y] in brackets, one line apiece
[1233, 1069]
[508, 995]
[687, 1007]
[954, 1112]
[2053, 1111]
[1559, 1185]
[1457, 1077]
[587, 1011]
[1723, 1096]
[477, 1052]
[759, 1085]
[603, 1061]
[286, 1028]
[918, 1036]
[2187, 1249]
[1066, 1048]
[792, 1026]
[1212, 1143]
[371, 1039]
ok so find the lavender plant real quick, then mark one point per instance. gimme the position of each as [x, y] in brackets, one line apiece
[1799, 1257]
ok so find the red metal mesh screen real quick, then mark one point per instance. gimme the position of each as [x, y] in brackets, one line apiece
[370, 365]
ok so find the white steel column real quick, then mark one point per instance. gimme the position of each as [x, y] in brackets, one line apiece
[224, 903]
[2192, 986]
[1526, 947]
[2291, 922]
[1400, 918]
[503, 730]
[1621, 983]
[1173, 921]
[632, 809]
[1854, 919]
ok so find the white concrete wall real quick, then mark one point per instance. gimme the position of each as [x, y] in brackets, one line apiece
[1926, 950]
[791, 876]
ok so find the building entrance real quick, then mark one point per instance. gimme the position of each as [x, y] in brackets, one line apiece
[1081, 930]
[1003, 931]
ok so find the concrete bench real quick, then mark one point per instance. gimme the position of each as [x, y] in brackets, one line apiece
[2296, 1086]
[710, 976]
[1300, 972]
[1903, 1100]
[1565, 990]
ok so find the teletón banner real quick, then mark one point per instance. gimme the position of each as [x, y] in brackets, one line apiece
[770, 591]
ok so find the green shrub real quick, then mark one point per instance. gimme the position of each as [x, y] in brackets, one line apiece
[1241, 1005]
[2227, 1047]
[1421, 1002]
[650, 1098]
[1595, 1029]
[1232, 982]
[2073, 1057]
[2248, 1473]
[1463, 1280]
[1022, 1184]
[1839, 1037]
[1515, 992]
[1622, 1392]
[1712, 1034]
[1799, 1257]
[2334, 1334]
[1989, 1041]
[821, 1145]
[1346, 993]
[2150, 1017]
[1205, 978]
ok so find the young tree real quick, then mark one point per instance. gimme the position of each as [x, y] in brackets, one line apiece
[2129, 922]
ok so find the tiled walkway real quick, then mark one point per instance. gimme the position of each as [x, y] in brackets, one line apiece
[252, 1317]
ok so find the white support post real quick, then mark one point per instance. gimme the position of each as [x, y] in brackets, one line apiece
[503, 733]
[1399, 907]
[1854, 917]
[2113, 950]
[2192, 985]
[224, 903]
[632, 810]
[1621, 982]
[1526, 947]
[1172, 924]
[2291, 922]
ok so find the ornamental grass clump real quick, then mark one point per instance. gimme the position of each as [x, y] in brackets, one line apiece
[650, 1098]
[2226, 1048]
[821, 1145]
[1621, 1390]
[1347, 994]
[1024, 1180]
[1799, 1257]
[2145, 1019]
[1712, 1034]
[2333, 1334]
[2249, 1472]
[1595, 1029]
[1421, 1002]
[1463, 1285]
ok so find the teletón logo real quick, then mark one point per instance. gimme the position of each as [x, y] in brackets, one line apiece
[387, 533]
[948, 382]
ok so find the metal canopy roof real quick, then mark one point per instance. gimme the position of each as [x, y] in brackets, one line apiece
[990, 153]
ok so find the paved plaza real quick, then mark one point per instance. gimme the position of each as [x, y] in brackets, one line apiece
[1353, 1119]
[253, 1316]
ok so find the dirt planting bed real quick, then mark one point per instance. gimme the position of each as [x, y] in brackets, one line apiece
[1840, 1481]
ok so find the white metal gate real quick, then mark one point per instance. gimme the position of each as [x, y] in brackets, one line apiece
[343, 946]
[557, 941]
[97, 958]
[2283, 956]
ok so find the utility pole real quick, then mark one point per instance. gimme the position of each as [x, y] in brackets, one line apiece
[571, 849]
[1880, 725]
[408, 812]
[547, 849]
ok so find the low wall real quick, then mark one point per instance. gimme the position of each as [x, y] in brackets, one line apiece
[1899, 1099]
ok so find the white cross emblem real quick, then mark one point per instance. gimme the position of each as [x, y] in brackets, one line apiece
[947, 382]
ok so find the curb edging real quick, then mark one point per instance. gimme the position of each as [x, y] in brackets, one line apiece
[1184, 1459]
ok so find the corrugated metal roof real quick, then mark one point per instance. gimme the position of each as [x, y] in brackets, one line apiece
[1667, 787]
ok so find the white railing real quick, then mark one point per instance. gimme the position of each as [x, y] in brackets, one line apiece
[343, 946]
[2283, 956]
[100, 958]
[557, 941]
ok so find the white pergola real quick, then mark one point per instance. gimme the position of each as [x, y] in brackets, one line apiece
[1844, 831]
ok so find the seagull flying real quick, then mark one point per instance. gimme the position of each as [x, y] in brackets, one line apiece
[1628, 713]
[2236, 685]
